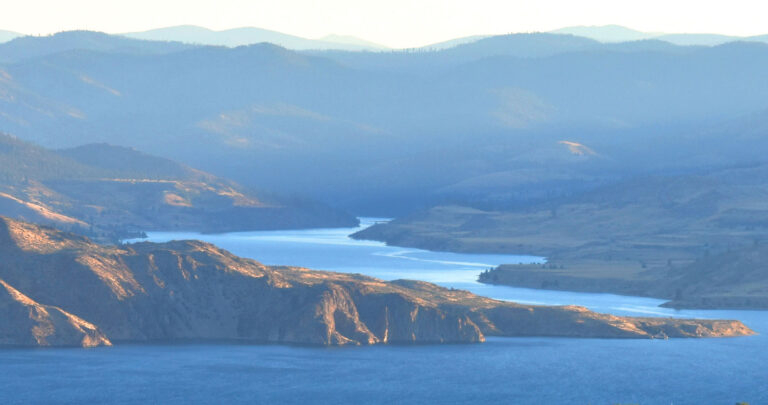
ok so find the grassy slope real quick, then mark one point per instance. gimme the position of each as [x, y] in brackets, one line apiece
[626, 238]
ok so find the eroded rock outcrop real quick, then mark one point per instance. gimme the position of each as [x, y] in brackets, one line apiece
[25, 322]
[189, 290]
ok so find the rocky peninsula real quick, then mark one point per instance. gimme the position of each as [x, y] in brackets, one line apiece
[61, 289]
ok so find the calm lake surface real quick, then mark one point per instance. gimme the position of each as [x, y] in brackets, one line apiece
[502, 370]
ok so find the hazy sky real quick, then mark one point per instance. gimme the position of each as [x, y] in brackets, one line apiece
[397, 23]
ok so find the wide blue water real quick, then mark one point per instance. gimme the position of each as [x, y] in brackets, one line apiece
[502, 370]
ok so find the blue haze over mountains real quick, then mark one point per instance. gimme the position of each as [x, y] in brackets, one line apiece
[617, 33]
[250, 35]
[383, 133]
[6, 36]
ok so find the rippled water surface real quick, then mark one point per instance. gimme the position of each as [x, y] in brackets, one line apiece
[502, 370]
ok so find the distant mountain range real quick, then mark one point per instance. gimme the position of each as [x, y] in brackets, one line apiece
[382, 133]
[26, 47]
[196, 35]
[617, 33]
[607, 33]
[191, 34]
[250, 35]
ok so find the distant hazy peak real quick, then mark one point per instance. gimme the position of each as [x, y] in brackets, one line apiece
[607, 33]
[234, 37]
[6, 36]
[454, 42]
[618, 33]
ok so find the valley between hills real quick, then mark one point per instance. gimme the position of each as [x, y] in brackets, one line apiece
[233, 214]
[520, 143]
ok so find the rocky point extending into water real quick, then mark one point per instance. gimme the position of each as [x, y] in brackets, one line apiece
[60, 289]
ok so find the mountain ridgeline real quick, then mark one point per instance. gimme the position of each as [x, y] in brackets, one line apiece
[27, 47]
[60, 289]
[191, 34]
[617, 33]
[384, 133]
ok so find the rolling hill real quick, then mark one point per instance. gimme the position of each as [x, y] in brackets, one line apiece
[27, 47]
[112, 192]
[684, 238]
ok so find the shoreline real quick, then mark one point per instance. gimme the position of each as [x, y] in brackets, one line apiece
[630, 278]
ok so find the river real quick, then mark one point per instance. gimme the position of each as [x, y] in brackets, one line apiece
[502, 370]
